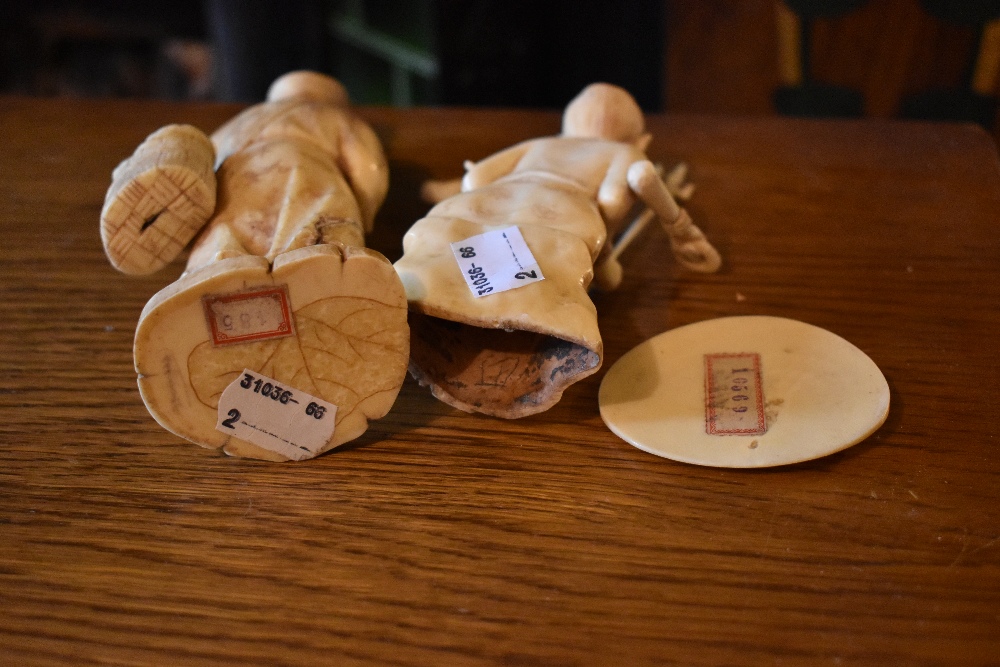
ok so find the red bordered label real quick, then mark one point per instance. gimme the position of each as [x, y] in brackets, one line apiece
[243, 317]
[734, 395]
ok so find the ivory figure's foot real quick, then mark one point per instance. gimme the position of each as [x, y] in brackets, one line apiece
[325, 325]
[159, 198]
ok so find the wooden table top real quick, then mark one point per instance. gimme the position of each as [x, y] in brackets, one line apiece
[441, 538]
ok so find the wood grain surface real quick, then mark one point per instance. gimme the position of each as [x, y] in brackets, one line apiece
[441, 538]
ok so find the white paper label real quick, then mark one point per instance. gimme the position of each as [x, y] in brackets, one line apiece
[496, 261]
[260, 410]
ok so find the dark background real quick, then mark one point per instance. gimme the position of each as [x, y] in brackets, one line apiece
[876, 58]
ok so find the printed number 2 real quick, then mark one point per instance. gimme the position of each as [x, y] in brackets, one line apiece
[521, 275]
[234, 416]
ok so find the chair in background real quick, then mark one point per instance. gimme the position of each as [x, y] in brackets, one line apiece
[975, 100]
[799, 94]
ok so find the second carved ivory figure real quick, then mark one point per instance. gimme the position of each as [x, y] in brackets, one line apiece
[513, 353]
[282, 314]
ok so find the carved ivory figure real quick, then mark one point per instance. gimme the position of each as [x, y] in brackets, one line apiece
[279, 294]
[513, 353]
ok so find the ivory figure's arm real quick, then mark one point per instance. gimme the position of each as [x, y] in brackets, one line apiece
[614, 197]
[365, 167]
[494, 167]
[436, 191]
[691, 248]
[644, 181]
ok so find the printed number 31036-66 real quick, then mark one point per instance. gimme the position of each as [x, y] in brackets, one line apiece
[275, 393]
[272, 391]
[477, 276]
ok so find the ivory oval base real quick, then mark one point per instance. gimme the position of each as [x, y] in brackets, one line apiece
[819, 393]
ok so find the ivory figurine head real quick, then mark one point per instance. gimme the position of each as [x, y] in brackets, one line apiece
[604, 111]
[311, 86]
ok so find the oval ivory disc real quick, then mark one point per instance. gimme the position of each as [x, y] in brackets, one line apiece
[744, 392]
